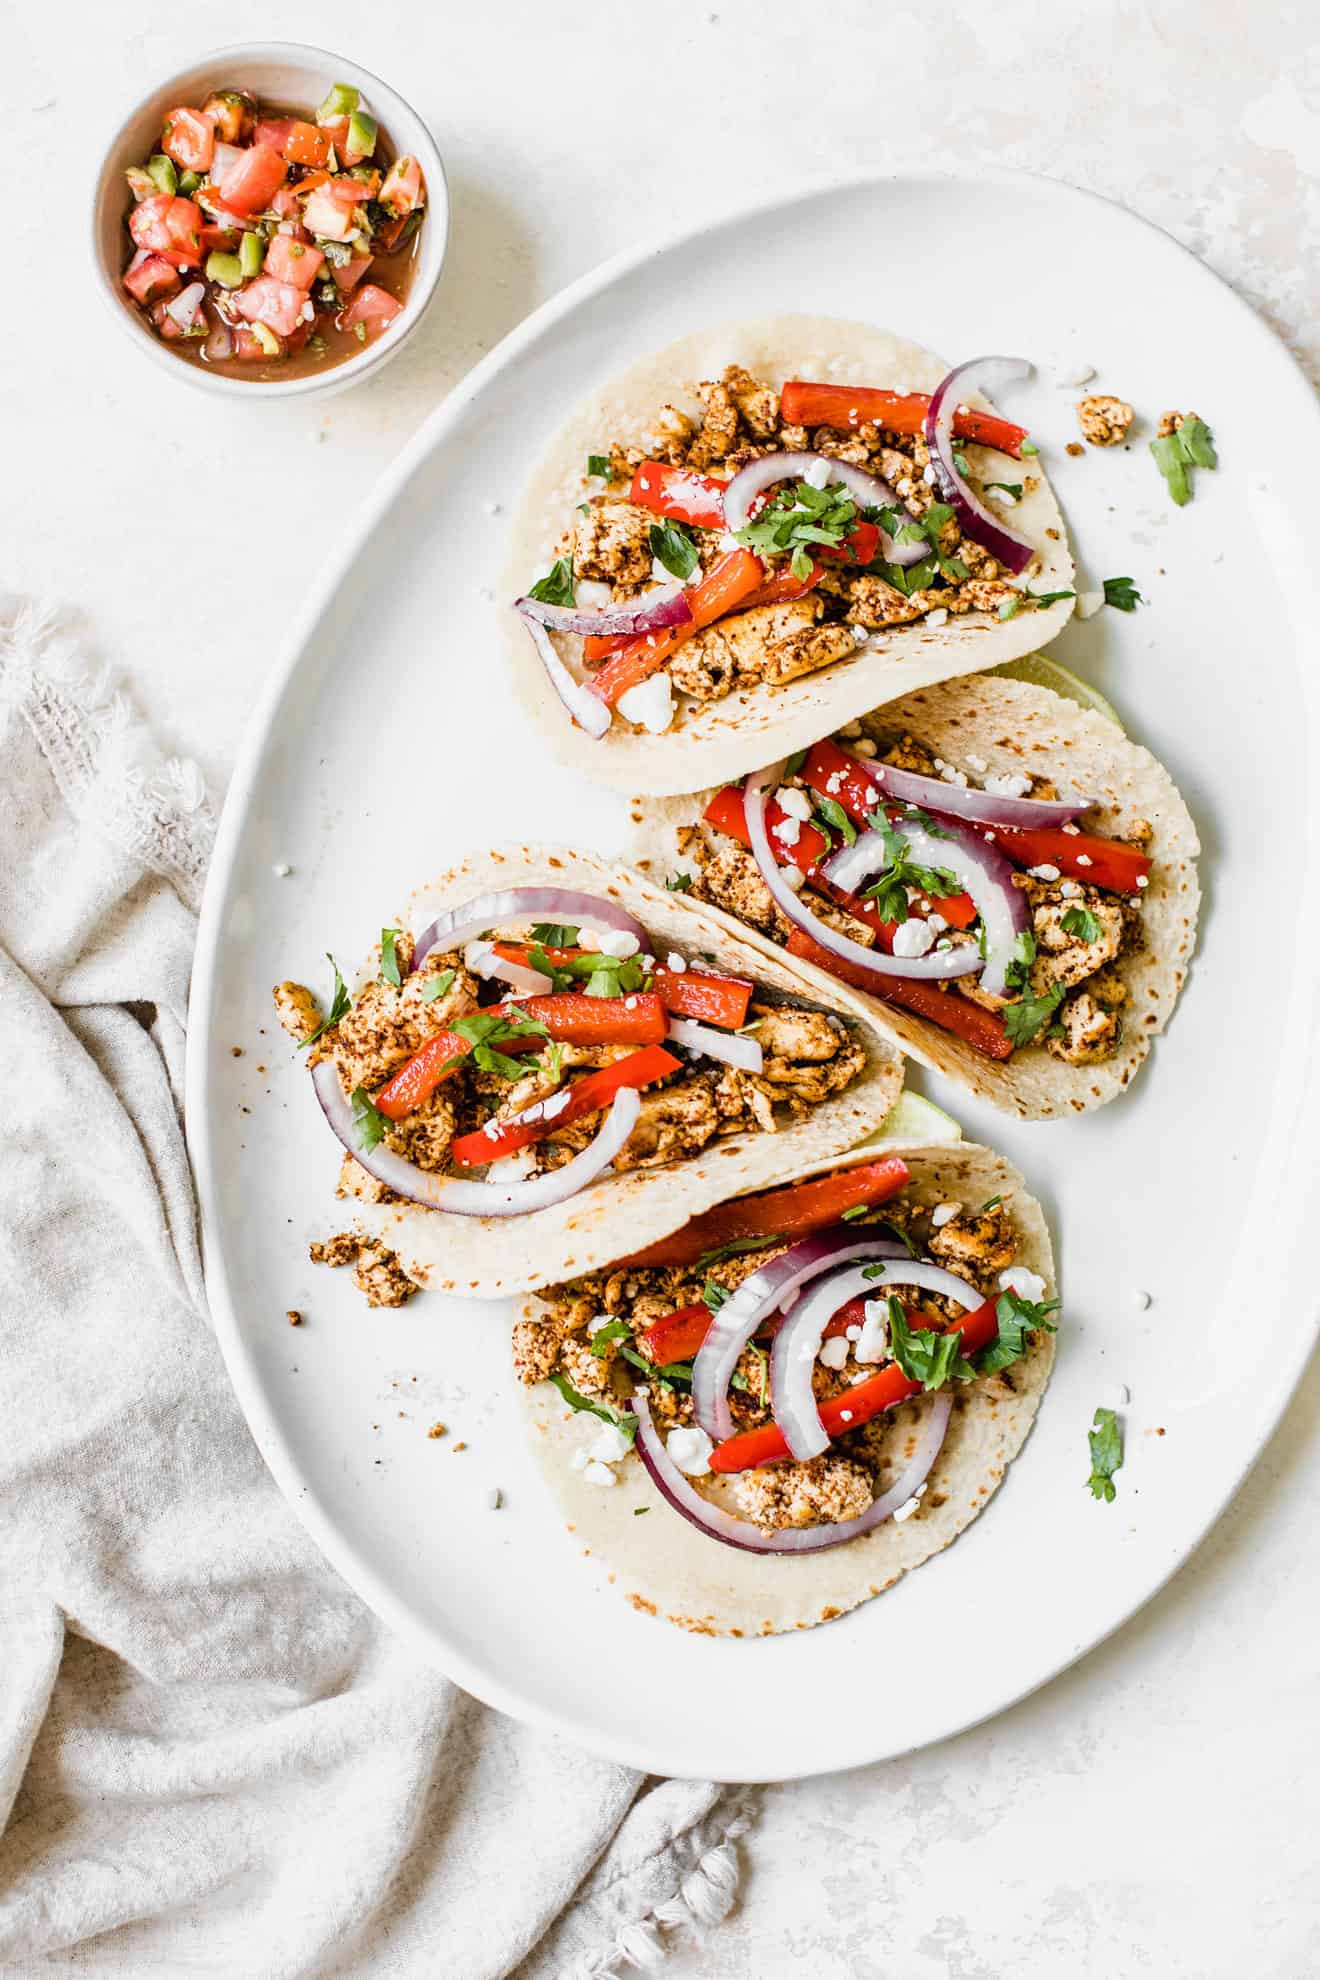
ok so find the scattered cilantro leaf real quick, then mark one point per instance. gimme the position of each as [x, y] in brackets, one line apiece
[556, 587]
[679, 883]
[889, 889]
[639, 1510]
[923, 1355]
[1023, 1020]
[798, 517]
[486, 1031]
[1017, 1318]
[436, 986]
[599, 465]
[555, 934]
[1122, 594]
[368, 1124]
[714, 1295]
[613, 1330]
[1106, 1440]
[734, 1249]
[389, 960]
[1023, 956]
[1013, 488]
[600, 975]
[834, 814]
[674, 548]
[903, 528]
[340, 1005]
[991, 1203]
[1080, 921]
[1028, 447]
[1190, 446]
[960, 462]
[858, 1210]
[621, 1419]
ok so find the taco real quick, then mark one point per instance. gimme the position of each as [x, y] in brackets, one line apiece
[1005, 880]
[764, 530]
[549, 1058]
[770, 1416]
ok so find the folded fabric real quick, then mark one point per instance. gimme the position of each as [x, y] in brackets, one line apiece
[213, 1759]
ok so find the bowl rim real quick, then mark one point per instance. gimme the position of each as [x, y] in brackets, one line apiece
[351, 370]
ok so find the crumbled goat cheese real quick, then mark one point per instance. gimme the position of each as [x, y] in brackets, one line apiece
[906, 1511]
[943, 1214]
[608, 1445]
[618, 942]
[1045, 872]
[789, 830]
[794, 877]
[873, 1341]
[650, 704]
[690, 1449]
[1004, 496]
[1027, 1285]
[1141, 1300]
[833, 1352]
[913, 937]
[1012, 784]
[795, 802]
[938, 618]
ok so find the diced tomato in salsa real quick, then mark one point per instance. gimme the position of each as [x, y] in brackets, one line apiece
[329, 213]
[276, 304]
[348, 274]
[248, 184]
[374, 308]
[149, 276]
[403, 190]
[189, 139]
[299, 143]
[251, 350]
[294, 262]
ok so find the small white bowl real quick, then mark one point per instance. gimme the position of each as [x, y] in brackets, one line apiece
[283, 72]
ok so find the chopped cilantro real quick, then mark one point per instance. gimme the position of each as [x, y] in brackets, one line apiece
[1023, 1020]
[436, 986]
[679, 883]
[960, 462]
[1023, 956]
[834, 814]
[714, 1295]
[903, 528]
[991, 1203]
[1042, 598]
[613, 1330]
[639, 1510]
[389, 961]
[1080, 921]
[889, 889]
[599, 464]
[924, 1355]
[555, 934]
[621, 1419]
[1106, 1440]
[1009, 608]
[340, 1005]
[734, 1249]
[857, 1210]
[556, 587]
[674, 548]
[1190, 446]
[1122, 594]
[1028, 447]
[1017, 1318]
[1013, 488]
[798, 517]
[601, 975]
[368, 1125]
[1038, 600]
[486, 1031]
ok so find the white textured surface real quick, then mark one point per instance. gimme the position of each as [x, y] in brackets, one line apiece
[1156, 1809]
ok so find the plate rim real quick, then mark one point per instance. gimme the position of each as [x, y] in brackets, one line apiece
[494, 1689]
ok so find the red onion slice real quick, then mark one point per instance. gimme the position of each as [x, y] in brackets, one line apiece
[185, 308]
[527, 982]
[867, 490]
[678, 1490]
[745, 1053]
[515, 904]
[586, 708]
[981, 871]
[669, 608]
[980, 807]
[960, 960]
[760, 1294]
[477, 1199]
[219, 341]
[974, 519]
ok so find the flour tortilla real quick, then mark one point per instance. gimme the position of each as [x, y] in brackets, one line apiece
[710, 742]
[1013, 726]
[488, 1257]
[668, 1568]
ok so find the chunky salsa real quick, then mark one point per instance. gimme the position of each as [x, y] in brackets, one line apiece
[265, 241]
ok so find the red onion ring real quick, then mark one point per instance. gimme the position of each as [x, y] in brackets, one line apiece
[477, 1199]
[981, 871]
[980, 807]
[797, 1344]
[974, 519]
[514, 904]
[587, 709]
[759, 1294]
[867, 490]
[960, 960]
[745, 1053]
[672, 609]
[526, 982]
[679, 1491]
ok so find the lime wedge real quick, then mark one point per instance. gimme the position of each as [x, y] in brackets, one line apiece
[918, 1123]
[1040, 671]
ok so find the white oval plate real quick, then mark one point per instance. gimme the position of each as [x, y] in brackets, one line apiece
[387, 745]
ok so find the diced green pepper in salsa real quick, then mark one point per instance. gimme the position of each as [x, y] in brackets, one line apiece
[253, 231]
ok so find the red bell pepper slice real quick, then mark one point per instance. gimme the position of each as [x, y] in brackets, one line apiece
[792, 1212]
[680, 493]
[415, 1082]
[1079, 855]
[585, 1096]
[693, 993]
[977, 1027]
[576, 1019]
[844, 407]
[856, 1405]
[725, 588]
[678, 1336]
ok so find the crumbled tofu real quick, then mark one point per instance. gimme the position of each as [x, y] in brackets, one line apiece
[1104, 420]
